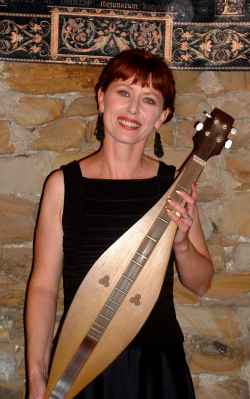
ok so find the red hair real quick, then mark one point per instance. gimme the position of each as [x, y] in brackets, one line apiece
[146, 68]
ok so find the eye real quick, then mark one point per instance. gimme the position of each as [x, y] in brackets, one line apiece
[149, 100]
[123, 93]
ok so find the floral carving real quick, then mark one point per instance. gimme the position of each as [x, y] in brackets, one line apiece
[108, 36]
[217, 46]
[230, 7]
[26, 38]
[92, 36]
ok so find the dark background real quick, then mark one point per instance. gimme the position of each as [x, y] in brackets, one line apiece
[182, 10]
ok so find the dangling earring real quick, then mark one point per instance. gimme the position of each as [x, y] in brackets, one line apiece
[99, 129]
[158, 149]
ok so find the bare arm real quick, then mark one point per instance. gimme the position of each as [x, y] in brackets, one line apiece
[43, 286]
[193, 261]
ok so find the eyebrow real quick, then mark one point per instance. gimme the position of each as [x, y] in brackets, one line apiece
[154, 93]
[148, 90]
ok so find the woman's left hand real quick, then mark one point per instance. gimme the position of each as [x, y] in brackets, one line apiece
[183, 215]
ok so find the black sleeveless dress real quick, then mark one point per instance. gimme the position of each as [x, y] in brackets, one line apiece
[96, 213]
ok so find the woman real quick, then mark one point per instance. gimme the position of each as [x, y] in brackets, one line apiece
[88, 204]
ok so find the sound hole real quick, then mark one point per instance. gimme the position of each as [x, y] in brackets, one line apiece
[136, 300]
[105, 281]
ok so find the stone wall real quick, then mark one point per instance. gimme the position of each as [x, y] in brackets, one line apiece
[47, 118]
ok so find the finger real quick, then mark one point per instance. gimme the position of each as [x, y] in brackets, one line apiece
[177, 208]
[187, 221]
[187, 198]
[181, 219]
[190, 200]
[194, 192]
[174, 215]
[183, 224]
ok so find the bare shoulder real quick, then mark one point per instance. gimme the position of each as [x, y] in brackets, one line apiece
[55, 181]
[53, 193]
[54, 185]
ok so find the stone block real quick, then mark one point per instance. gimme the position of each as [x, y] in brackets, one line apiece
[15, 266]
[6, 147]
[7, 104]
[12, 294]
[237, 164]
[211, 184]
[211, 213]
[8, 372]
[167, 135]
[16, 219]
[247, 76]
[11, 321]
[175, 156]
[215, 357]
[22, 138]
[241, 140]
[238, 259]
[210, 83]
[69, 156]
[51, 78]
[183, 295]
[184, 134]
[65, 133]
[221, 323]
[232, 81]
[15, 262]
[235, 104]
[9, 392]
[236, 215]
[89, 135]
[82, 106]
[223, 389]
[35, 111]
[187, 82]
[229, 286]
[216, 251]
[190, 106]
[24, 175]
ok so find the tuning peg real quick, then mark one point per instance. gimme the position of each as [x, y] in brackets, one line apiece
[228, 144]
[233, 131]
[207, 114]
[199, 126]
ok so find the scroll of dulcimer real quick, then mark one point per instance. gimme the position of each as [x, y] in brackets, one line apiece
[120, 290]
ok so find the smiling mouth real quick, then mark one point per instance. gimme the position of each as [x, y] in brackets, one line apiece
[129, 124]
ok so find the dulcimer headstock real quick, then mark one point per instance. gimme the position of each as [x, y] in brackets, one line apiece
[212, 134]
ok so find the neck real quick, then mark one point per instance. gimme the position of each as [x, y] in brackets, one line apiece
[121, 161]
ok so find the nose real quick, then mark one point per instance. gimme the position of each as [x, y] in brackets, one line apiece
[133, 105]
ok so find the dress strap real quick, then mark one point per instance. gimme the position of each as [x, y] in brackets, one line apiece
[72, 175]
[73, 188]
[166, 174]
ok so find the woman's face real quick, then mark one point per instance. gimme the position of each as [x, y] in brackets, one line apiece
[131, 112]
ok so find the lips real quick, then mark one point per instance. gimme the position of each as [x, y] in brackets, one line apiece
[128, 122]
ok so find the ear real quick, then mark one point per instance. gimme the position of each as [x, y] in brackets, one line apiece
[162, 118]
[100, 98]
